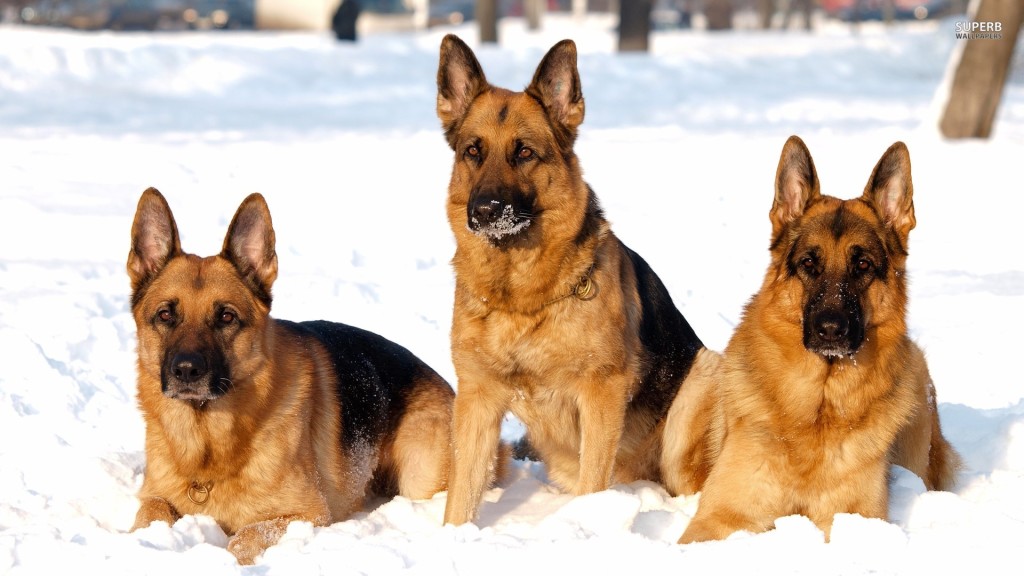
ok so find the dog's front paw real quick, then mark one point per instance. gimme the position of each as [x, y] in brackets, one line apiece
[154, 510]
[695, 534]
[705, 529]
[252, 540]
[246, 548]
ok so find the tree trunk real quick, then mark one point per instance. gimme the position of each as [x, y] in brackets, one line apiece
[806, 8]
[718, 14]
[888, 11]
[765, 12]
[634, 25]
[534, 11]
[979, 67]
[579, 9]
[487, 17]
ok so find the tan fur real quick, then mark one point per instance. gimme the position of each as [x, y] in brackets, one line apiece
[270, 450]
[692, 436]
[794, 432]
[567, 367]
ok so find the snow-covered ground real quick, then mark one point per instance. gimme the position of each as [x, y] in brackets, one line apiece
[681, 146]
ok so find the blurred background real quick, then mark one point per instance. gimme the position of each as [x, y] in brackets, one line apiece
[329, 110]
[375, 15]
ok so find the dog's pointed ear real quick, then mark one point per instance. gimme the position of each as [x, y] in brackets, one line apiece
[556, 83]
[891, 191]
[460, 79]
[249, 245]
[796, 184]
[154, 238]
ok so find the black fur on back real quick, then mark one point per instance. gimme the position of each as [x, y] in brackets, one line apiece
[375, 377]
[669, 341]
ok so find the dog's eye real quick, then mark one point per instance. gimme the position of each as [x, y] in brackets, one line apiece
[226, 317]
[473, 151]
[809, 266]
[863, 265]
[164, 315]
[525, 153]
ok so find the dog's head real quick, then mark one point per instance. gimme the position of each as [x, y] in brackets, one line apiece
[200, 321]
[514, 158]
[846, 259]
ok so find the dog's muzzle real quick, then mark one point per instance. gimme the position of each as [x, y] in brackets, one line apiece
[192, 377]
[833, 333]
[495, 219]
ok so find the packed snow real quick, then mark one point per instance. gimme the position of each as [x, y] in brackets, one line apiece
[681, 146]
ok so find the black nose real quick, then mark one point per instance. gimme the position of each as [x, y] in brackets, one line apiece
[486, 211]
[831, 326]
[188, 367]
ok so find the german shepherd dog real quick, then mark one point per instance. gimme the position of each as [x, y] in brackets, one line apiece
[257, 422]
[821, 389]
[554, 318]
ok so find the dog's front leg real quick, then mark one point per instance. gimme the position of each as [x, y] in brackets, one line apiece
[154, 509]
[744, 490]
[477, 426]
[602, 411]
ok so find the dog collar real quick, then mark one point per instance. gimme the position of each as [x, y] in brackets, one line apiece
[198, 492]
[585, 289]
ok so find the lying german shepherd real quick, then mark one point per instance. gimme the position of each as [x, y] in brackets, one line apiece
[258, 422]
[821, 389]
[554, 318]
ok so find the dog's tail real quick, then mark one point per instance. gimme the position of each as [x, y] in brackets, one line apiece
[521, 449]
[943, 461]
[502, 464]
[921, 447]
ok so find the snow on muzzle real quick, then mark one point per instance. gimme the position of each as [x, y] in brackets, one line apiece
[498, 219]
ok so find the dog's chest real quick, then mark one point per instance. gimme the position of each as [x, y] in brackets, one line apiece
[835, 435]
[530, 347]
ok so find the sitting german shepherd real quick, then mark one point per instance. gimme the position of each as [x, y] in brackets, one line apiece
[258, 422]
[554, 318]
[820, 389]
